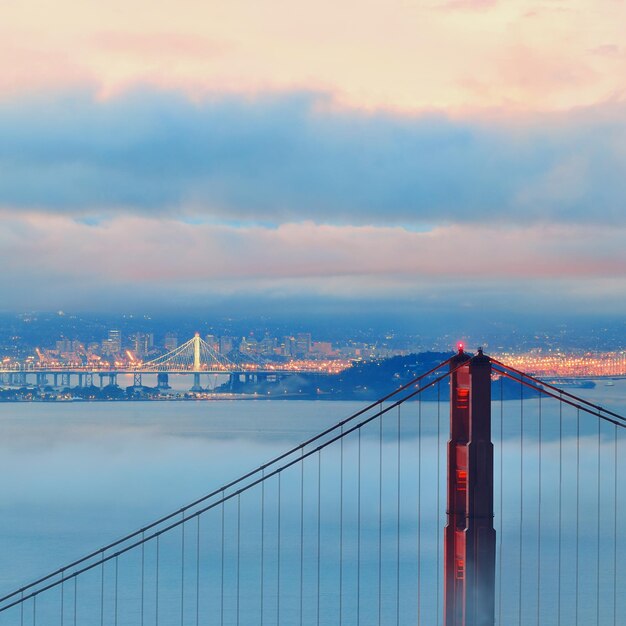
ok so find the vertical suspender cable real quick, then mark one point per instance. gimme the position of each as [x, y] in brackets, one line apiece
[262, 543]
[102, 593]
[358, 533]
[615, 474]
[398, 531]
[62, 597]
[156, 604]
[419, 510]
[197, 570]
[143, 576]
[577, 502]
[598, 527]
[341, 529]
[560, 509]
[319, 527]
[521, 501]
[380, 515]
[182, 570]
[75, 600]
[501, 499]
[116, 586]
[239, 550]
[278, 541]
[222, 566]
[437, 529]
[301, 539]
[539, 517]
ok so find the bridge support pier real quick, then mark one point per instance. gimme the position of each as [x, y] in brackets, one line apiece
[65, 380]
[55, 378]
[137, 381]
[42, 379]
[89, 379]
[470, 539]
[18, 379]
[163, 381]
[233, 381]
[196, 383]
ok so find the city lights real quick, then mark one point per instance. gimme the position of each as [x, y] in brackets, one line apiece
[565, 365]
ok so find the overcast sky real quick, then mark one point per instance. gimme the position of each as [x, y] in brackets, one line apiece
[177, 154]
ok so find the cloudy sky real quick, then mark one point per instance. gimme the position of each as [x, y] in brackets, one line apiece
[463, 153]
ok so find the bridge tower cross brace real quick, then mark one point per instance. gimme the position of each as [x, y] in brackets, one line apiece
[469, 538]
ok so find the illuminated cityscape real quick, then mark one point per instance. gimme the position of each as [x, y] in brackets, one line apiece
[563, 365]
[296, 352]
[250, 361]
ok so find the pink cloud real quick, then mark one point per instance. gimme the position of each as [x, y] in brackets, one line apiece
[142, 250]
[28, 67]
[471, 5]
[201, 50]
[133, 261]
[164, 44]
[609, 51]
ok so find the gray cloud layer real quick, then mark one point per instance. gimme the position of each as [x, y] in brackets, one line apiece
[295, 157]
[55, 261]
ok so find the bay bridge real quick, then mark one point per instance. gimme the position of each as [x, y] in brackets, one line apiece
[376, 520]
[194, 357]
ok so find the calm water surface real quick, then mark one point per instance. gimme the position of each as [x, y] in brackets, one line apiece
[77, 475]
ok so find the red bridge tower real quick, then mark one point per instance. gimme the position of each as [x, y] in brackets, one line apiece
[470, 539]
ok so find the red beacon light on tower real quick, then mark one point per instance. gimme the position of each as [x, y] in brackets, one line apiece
[460, 347]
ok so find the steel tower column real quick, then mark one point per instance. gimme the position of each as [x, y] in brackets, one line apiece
[196, 352]
[470, 539]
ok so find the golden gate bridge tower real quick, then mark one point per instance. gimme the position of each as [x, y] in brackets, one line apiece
[470, 538]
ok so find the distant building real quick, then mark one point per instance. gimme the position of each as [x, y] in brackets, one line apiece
[303, 344]
[213, 342]
[248, 346]
[113, 344]
[63, 346]
[142, 343]
[226, 344]
[115, 341]
[69, 349]
[267, 345]
[171, 342]
[288, 346]
[324, 348]
[108, 347]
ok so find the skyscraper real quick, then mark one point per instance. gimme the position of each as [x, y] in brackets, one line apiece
[171, 341]
[115, 341]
